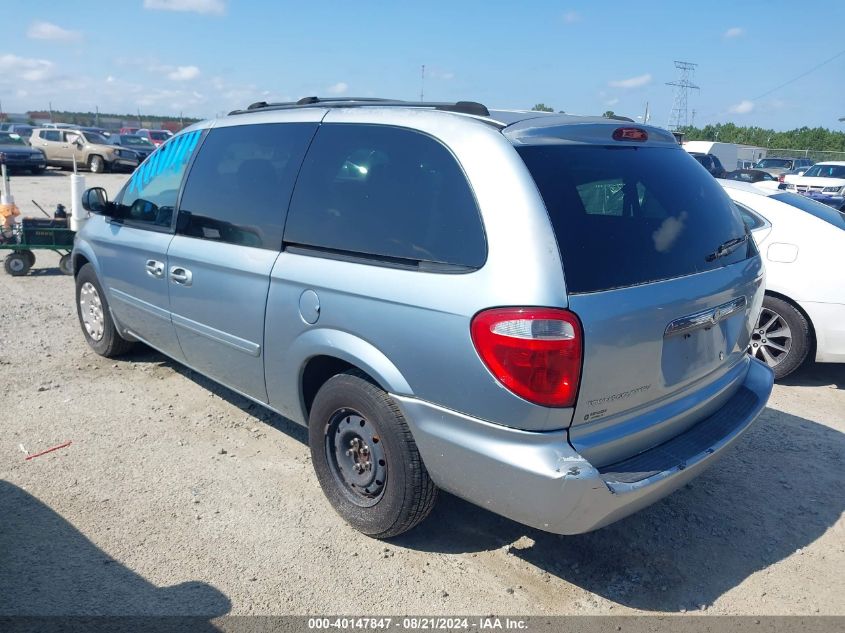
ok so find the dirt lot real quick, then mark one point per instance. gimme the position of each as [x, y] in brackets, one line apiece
[177, 496]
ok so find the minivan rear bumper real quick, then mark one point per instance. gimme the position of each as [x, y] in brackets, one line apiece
[538, 479]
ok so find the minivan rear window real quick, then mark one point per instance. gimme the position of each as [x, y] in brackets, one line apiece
[626, 215]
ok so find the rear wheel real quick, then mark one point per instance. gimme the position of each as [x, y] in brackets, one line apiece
[366, 459]
[30, 257]
[17, 264]
[93, 310]
[781, 336]
[66, 264]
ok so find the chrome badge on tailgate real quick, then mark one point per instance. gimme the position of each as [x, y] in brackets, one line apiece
[705, 318]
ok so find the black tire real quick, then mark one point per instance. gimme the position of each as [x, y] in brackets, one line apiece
[17, 264]
[407, 494]
[787, 350]
[109, 344]
[30, 256]
[37, 171]
[96, 164]
[66, 264]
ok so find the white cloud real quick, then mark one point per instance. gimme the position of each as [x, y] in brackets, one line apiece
[184, 73]
[435, 73]
[338, 89]
[743, 107]
[632, 82]
[49, 31]
[215, 7]
[734, 31]
[611, 102]
[28, 69]
[571, 17]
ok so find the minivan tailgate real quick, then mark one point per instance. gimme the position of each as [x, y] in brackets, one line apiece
[660, 357]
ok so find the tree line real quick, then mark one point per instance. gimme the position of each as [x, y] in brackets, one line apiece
[815, 138]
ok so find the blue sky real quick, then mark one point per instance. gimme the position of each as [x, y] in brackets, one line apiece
[203, 57]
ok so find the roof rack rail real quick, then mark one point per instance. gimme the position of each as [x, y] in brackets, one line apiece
[463, 107]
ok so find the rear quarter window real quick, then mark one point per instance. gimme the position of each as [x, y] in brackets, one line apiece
[626, 215]
[385, 192]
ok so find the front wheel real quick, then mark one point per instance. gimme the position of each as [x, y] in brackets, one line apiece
[93, 310]
[366, 459]
[96, 164]
[781, 336]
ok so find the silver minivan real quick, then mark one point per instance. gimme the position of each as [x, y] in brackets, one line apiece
[546, 315]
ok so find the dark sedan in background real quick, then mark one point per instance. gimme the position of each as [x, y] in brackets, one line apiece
[19, 156]
[137, 144]
[750, 175]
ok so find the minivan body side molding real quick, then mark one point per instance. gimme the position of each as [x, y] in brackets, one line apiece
[235, 342]
[135, 302]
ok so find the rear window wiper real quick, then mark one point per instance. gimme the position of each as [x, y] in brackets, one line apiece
[726, 248]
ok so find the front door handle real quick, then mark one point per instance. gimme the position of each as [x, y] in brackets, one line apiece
[155, 269]
[181, 276]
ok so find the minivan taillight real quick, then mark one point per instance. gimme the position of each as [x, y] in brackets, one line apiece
[534, 352]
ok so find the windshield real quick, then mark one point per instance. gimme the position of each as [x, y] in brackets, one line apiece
[93, 137]
[159, 136]
[817, 209]
[7, 138]
[139, 141]
[619, 221]
[784, 163]
[826, 171]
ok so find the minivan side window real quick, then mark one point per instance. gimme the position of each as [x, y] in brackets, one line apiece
[385, 193]
[149, 197]
[240, 184]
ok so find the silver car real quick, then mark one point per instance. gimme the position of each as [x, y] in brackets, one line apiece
[519, 308]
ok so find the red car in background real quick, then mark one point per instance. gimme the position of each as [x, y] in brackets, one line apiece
[129, 130]
[156, 137]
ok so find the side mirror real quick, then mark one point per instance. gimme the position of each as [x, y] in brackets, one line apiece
[96, 200]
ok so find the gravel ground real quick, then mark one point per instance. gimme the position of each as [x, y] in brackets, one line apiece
[179, 497]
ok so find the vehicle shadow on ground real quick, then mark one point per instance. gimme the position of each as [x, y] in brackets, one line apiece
[817, 375]
[47, 567]
[298, 432]
[775, 492]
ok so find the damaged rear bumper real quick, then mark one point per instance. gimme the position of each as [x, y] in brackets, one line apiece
[538, 479]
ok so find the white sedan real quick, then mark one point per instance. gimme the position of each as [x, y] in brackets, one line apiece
[823, 179]
[803, 245]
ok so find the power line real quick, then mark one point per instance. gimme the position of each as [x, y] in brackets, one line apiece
[801, 76]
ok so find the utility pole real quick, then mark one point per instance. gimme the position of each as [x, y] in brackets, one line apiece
[422, 83]
[50, 108]
[679, 115]
[139, 118]
[97, 116]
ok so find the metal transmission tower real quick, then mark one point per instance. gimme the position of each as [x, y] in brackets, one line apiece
[679, 117]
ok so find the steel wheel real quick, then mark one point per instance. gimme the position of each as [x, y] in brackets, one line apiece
[66, 264]
[91, 311]
[771, 339]
[356, 457]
